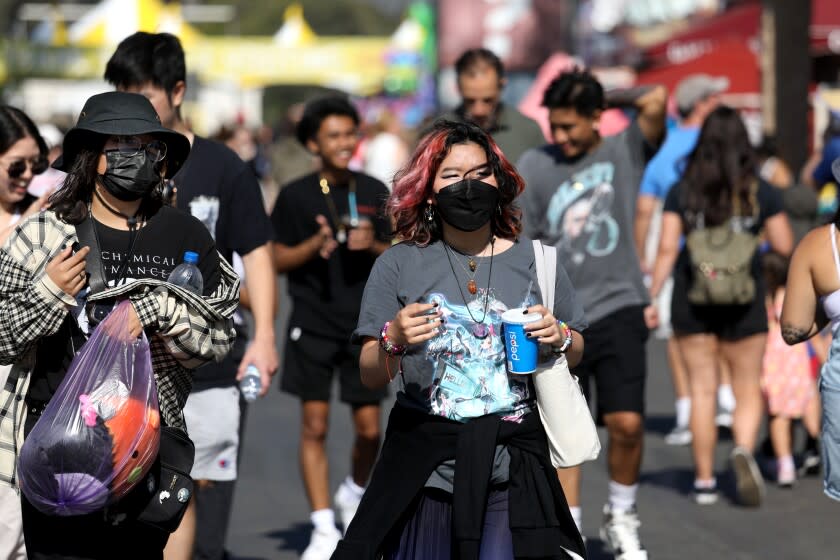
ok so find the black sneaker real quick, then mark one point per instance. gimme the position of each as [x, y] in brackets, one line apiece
[811, 463]
[705, 496]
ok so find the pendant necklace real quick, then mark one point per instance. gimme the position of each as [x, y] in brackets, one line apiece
[472, 287]
[479, 329]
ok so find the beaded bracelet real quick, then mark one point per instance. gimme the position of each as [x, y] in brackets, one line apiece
[385, 342]
[567, 338]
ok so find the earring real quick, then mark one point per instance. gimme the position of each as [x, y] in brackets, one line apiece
[499, 209]
[429, 213]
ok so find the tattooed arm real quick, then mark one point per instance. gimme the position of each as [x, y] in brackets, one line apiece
[802, 314]
[795, 335]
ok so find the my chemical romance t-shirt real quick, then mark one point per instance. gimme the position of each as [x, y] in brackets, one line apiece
[326, 294]
[159, 248]
[586, 207]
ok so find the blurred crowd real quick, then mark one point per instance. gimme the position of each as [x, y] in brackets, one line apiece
[647, 199]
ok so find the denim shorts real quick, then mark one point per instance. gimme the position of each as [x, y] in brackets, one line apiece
[830, 394]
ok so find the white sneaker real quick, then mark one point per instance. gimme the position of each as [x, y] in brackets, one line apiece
[620, 533]
[347, 502]
[785, 475]
[322, 543]
[680, 435]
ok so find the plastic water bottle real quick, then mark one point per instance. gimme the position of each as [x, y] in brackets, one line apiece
[187, 275]
[251, 383]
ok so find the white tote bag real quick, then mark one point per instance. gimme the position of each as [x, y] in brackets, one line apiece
[572, 436]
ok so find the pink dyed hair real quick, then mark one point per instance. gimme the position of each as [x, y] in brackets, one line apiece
[413, 184]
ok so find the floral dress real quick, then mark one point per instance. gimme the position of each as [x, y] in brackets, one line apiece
[786, 380]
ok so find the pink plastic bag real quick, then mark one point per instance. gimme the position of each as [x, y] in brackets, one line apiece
[100, 433]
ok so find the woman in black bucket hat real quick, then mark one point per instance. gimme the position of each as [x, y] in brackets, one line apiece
[107, 237]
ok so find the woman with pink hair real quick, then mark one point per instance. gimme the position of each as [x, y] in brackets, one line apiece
[464, 471]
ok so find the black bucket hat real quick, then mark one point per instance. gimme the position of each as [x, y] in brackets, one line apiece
[117, 113]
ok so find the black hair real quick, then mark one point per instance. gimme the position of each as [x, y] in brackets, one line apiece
[768, 147]
[70, 201]
[575, 89]
[147, 57]
[775, 268]
[318, 110]
[472, 59]
[722, 167]
[14, 126]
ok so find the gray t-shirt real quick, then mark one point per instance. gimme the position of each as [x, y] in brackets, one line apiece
[456, 374]
[586, 208]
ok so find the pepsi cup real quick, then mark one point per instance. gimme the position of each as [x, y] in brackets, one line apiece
[521, 351]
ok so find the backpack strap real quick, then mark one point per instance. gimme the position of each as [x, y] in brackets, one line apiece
[87, 238]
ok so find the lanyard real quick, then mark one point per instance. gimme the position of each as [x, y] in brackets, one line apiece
[341, 228]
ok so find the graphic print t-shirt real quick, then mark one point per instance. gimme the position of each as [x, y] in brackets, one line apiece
[586, 208]
[216, 187]
[456, 374]
[159, 248]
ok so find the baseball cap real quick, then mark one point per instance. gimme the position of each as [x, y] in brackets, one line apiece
[697, 87]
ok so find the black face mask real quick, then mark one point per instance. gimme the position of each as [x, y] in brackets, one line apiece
[129, 177]
[468, 204]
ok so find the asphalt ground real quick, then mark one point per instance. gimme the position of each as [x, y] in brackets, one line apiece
[271, 517]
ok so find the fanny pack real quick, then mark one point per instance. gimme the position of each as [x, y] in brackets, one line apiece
[161, 499]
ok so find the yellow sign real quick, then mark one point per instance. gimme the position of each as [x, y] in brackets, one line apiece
[295, 55]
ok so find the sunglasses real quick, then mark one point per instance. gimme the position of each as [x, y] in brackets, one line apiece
[18, 168]
[129, 146]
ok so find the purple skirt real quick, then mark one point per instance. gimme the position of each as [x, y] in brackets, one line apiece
[428, 532]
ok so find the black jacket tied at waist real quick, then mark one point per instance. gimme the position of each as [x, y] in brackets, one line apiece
[416, 443]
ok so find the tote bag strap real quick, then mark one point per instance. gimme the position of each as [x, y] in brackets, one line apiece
[545, 258]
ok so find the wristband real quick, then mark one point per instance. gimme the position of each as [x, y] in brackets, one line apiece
[387, 345]
[567, 338]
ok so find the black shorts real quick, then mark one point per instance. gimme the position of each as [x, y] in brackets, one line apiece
[309, 365]
[614, 356]
[727, 322]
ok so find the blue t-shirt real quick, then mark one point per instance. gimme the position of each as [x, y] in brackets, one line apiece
[831, 151]
[666, 167]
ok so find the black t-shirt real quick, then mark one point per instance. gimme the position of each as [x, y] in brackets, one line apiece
[158, 248]
[327, 294]
[218, 188]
